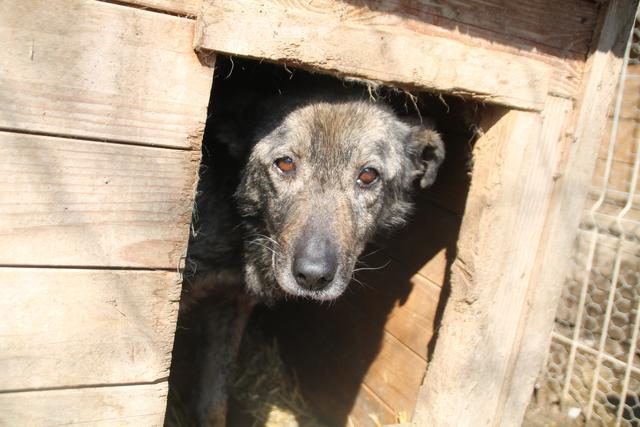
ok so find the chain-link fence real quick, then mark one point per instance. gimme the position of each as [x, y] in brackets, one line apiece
[592, 372]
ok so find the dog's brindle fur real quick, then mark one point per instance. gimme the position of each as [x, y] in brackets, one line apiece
[282, 227]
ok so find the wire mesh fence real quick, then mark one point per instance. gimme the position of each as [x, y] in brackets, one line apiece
[592, 372]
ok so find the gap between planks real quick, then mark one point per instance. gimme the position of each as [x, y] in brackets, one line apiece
[91, 267]
[83, 386]
[30, 132]
[363, 313]
[184, 13]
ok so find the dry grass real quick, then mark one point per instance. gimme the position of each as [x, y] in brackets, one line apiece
[266, 390]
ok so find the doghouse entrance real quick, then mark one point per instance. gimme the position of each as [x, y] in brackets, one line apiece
[362, 358]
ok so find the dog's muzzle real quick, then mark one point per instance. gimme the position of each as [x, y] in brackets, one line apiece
[315, 263]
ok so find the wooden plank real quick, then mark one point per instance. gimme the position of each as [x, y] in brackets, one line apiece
[369, 411]
[99, 70]
[78, 203]
[566, 75]
[72, 327]
[188, 8]
[620, 176]
[509, 198]
[625, 144]
[411, 317]
[395, 375]
[135, 405]
[427, 245]
[565, 26]
[413, 322]
[382, 46]
[569, 194]
[631, 100]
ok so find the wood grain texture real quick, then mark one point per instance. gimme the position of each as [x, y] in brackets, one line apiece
[395, 375]
[188, 8]
[631, 100]
[381, 46]
[625, 145]
[568, 198]
[99, 70]
[71, 327]
[368, 410]
[427, 244]
[515, 163]
[410, 319]
[556, 33]
[136, 405]
[77, 203]
[619, 178]
[562, 26]
[413, 323]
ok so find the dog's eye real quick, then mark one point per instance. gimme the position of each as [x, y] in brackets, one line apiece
[367, 177]
[286, 165]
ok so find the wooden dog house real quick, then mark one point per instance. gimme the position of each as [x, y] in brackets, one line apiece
[102, 110]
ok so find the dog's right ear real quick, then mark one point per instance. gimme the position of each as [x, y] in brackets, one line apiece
[427, 153]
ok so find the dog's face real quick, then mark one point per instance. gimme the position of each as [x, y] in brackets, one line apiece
[318, 186]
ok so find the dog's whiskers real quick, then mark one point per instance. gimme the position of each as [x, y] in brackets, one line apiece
[271, 239]
[273, 262]
[257, 242]
[370, 253]
[361, 283]
[372, 268]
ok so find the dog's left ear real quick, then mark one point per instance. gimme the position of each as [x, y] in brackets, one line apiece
[427, 153]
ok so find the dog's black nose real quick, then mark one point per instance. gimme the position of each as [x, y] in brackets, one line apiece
[315, 264]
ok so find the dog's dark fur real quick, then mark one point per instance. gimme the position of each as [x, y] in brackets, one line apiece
[256, 229]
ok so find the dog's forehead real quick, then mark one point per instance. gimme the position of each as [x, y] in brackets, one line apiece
[349, 125]
[347, 134]
[346, 121]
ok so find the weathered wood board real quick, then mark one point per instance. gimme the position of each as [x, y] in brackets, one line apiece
[562, 26]
[369, 409]
[396, 374]
[387, 47]
[426, 244]
[134, 405]
[99, 70]
[569, 194]
[411, 320]
[80, 203]
[515, 165]
[102, 109]
[72, 327]
[625, 147]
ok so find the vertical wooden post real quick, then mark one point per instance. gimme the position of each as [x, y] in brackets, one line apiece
[514, 162]
[515, 241]
[598, 90]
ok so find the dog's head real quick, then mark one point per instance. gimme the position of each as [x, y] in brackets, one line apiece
[320, 184]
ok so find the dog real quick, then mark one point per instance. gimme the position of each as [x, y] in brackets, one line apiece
[284, 207]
